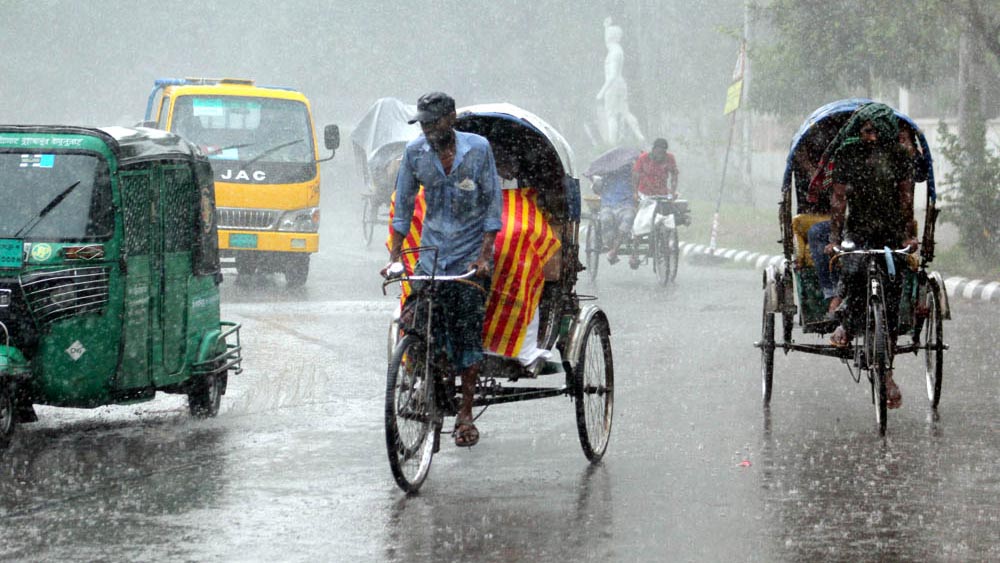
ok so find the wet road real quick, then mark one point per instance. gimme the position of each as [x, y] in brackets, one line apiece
[294, 467]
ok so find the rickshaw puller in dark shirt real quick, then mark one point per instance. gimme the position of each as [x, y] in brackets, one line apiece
[873, 185]
[462, 218]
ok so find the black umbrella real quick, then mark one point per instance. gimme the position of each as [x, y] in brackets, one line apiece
[612, 161]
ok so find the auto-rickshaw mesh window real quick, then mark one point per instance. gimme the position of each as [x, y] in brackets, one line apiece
[55, 196]
[135, 192]
[179, 209]
[206, 255]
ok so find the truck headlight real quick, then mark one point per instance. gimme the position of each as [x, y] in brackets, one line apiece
[300, 220]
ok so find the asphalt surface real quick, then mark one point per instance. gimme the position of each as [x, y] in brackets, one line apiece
[294, 467]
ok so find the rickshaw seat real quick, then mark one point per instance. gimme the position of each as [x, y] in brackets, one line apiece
[801, 224]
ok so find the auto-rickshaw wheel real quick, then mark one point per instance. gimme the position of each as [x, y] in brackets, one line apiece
[205, 395]
[8, 415]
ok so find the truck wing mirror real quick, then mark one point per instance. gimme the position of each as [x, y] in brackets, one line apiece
[331, 138]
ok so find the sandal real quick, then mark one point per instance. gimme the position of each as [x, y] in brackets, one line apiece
[466, 434]
[613, 259]
[840, 338]
[893, 396]
[633, 262]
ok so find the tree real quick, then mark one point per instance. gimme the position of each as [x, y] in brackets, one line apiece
[820, 51]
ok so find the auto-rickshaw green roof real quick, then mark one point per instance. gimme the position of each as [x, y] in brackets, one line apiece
[127, 144]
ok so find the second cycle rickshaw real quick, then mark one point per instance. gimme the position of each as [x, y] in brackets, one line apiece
[421, 389]
[792, 290]
[379, 139]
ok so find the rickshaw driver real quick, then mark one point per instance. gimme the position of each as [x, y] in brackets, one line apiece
[462, 218]
[654, 173]
[873, 179]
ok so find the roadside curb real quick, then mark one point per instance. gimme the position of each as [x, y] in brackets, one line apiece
[957, 287]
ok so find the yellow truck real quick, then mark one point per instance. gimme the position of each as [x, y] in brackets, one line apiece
[261, 143]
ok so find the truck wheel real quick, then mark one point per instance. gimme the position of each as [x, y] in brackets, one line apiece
[296, 270]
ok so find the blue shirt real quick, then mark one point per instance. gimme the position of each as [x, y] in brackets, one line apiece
[617, 190]
[462, 205]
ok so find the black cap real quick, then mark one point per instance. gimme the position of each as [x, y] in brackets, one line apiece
[432, 107]
[660, 143]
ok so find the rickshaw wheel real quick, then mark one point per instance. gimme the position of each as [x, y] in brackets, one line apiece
[664, 262]
[206, 395]
[877, 353]
[933, 345]
[8, 416]
[410, 418]
[767, 354]
[675, 253]
[369, 216]
[595, 389]
[592, 249]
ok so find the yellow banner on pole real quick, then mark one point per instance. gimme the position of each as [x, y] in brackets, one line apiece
[733, 96]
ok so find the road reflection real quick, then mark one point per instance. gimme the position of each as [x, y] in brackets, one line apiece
[851, 495]
[84, 490]
[572, 522]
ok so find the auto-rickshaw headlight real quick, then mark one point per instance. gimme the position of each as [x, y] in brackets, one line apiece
[304, 220]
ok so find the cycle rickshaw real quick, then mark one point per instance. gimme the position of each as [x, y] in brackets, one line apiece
[653, 237]
[420, 389]
[379, 139]
[792, 290]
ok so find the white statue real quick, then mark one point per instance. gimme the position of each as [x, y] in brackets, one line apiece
[615, 91]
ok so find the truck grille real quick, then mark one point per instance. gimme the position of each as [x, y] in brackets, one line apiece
[57, 294]
[253, 219]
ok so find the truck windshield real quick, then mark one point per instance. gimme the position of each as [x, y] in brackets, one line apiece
[245, 128]
[55, 196]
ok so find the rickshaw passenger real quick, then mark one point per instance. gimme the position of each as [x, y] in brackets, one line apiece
[461, 218]
[525, 245]
[872, 206]
[617, 213]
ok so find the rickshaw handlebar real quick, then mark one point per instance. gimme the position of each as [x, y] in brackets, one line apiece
[397, 273]
[839, 252]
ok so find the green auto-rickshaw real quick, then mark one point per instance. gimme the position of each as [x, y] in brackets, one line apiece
[109, 272]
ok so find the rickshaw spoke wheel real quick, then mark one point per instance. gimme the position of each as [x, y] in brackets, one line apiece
[933, 345]
[369, 216]
[595, 389]
[674, 245]
[410, 416]
[877, 353]
[661, 254]
[767, 353]
[8, 417]
[592, 250]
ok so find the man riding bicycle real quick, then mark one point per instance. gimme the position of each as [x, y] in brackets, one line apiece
[462, 218]
[873, 186]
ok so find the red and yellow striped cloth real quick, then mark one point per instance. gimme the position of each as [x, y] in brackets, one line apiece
[523, 246]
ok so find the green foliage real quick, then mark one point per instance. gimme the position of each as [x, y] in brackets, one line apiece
[974, 202]
[820, 51]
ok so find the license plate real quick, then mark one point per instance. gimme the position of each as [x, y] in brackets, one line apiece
[241, 240]
[11, 253]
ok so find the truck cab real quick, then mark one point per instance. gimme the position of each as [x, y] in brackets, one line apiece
[261, 143]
